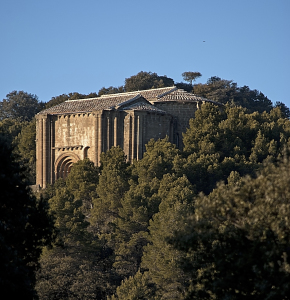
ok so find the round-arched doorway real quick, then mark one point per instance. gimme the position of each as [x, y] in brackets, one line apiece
[64, 163]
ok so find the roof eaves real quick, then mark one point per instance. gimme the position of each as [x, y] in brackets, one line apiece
[94, 98]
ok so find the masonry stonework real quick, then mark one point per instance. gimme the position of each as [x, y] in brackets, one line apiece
[79, 129]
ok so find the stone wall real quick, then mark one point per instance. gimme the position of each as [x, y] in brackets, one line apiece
[75, 132]
[139, 128]
[182, 113]
[63, 139]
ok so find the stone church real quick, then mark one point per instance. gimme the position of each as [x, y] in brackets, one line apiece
[78, 129]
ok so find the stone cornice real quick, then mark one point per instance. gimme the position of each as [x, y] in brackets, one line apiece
[74, 147]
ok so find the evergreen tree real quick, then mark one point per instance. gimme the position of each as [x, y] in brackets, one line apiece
[82, 182]
[190, 76]
[20, 135]
[139, 204]
[160, 258]
[227, 91]
[135, 287]
[71, 202]
[146, 81]
[25, 147]
[20, 105]
[111, 90]
[157, 160]
[219, 142]
[24, 229]
[79, 266]
[10, 129]
[113, 183]
[237, 241]
[82, 275]
[284, 109]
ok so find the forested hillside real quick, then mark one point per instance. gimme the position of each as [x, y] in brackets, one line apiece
[210, 221]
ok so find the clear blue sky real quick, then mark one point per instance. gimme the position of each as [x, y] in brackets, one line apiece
[54, 47]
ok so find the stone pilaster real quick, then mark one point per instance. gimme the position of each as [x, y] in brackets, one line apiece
[139, 138]
[46, 152]
[108, 144]
[133, 138]
[43, 151]
[127, 134]
[52, 151]
[100, 137]
[39, 149]
[115, 131]
[95, 140]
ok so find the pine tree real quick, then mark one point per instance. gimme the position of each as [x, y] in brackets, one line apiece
[160, 258]
[79, 266]
[238, 239]
[221, 141]
[113, 183]
[25, 228]
[140, 203]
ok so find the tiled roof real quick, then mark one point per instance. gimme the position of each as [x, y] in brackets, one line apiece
[180, 95]
[147, 94]
[155, 93]
[143, 106]
[116, 101]
[88, 105]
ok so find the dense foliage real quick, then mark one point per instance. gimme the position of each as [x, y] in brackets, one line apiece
[237, 240]
[24, 229]
[208, 222]
[227, 91]
[146, 81]
[20, 105]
